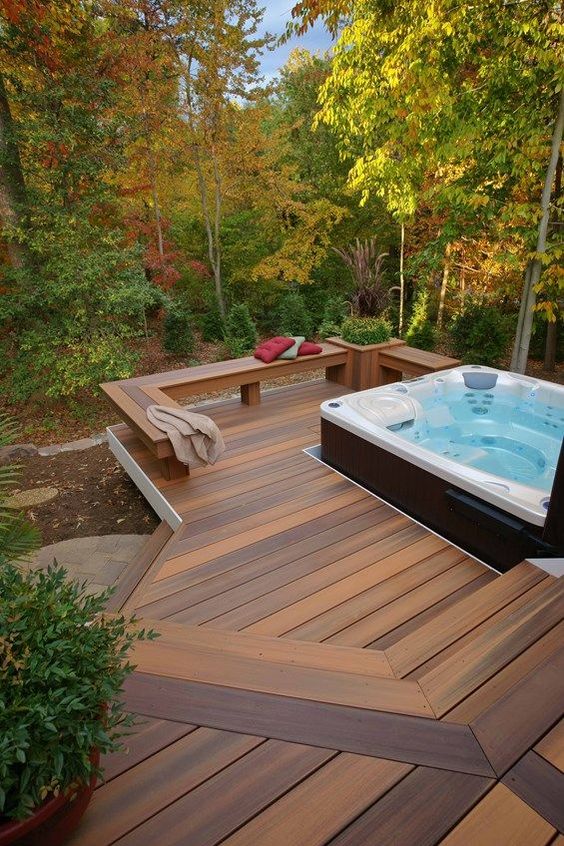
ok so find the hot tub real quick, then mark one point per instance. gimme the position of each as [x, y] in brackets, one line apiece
[471, 452]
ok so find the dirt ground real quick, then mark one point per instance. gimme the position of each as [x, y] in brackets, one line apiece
[95, 497]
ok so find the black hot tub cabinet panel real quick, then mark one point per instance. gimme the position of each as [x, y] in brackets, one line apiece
[429, 499]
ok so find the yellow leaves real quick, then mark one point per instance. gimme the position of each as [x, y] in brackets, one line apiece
[307, 239]
[476, 201]
[548, 308]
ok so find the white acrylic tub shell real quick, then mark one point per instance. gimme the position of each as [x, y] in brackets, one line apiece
[368, 414]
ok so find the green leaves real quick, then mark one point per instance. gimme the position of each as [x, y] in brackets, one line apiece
[17, 538]
[443, 96]
[61, 662]
[366, 330]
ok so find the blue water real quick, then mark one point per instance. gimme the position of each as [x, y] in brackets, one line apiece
[518, 440]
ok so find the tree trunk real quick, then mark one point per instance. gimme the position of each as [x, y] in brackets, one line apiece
[444, 284]
[155, 192]
[402, 281]
[217, 234]
[550, 347]
[209, 231]
[525, 324]
[213, 234]
[12, 185]
[552, 328]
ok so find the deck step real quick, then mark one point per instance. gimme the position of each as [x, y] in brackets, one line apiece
[316, 672]
[445, 629]
[482, 657]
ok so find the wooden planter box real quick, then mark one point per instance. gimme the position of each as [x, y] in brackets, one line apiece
[363, 368]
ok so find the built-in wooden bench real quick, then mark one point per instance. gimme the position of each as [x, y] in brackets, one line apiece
[131, 397]
[395, 361]
[347, 364]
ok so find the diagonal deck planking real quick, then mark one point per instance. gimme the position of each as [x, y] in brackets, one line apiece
[328, 671]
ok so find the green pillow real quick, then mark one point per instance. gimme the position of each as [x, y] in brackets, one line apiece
[293, 351]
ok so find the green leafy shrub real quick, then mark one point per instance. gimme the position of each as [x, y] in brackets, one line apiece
[73, 321]
[424, 337]
[178, 334]
[212, 324]
[240, 331]
[421, 333]
[334, 313]
[46, 365]
[293, 316]
[366, 330]
[17, 537]
[62, 666]
[481, 334]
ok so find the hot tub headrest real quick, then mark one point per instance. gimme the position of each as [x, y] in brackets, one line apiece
[386, 409]
[479, 380]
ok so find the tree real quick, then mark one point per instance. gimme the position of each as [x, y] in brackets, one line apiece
[67, 312]
[147, 32]
[220, 75]
[445, 105]
[12, 186]
[534, 268]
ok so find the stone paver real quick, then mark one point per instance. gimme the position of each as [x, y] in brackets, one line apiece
[98, 561]
[30, 497]
[74, 446]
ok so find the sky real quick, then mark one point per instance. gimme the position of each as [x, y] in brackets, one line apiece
[276, 16]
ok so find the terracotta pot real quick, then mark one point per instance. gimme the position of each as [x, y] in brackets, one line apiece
[53, 822]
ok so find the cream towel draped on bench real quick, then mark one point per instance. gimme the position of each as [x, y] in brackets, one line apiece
[195, 438]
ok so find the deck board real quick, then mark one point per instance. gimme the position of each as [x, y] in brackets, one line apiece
[419, 810]
[501, 817]
[329, 672]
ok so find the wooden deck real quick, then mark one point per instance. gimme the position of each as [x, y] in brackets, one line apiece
[329, 672]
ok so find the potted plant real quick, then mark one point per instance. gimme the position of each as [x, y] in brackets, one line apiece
[62, 666]
[363, 334]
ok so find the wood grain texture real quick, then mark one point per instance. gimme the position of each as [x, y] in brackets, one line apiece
[496, 687]
[214, 809]
[416, 740]
[144, 790]
[132, 576]
[418, 811]
[447, 627]
[479, 660]
[341, 789]
[363, 662]
[514, 723]
[501, 819]
[144, 739]
[551, 746]
[540, 785]
[182, 660]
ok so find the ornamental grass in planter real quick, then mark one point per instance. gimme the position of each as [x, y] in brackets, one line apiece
[62, 666]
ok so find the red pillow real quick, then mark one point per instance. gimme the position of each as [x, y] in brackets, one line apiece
[269, 350]
[308, 348]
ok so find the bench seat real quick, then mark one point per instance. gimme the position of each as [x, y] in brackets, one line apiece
[393, 362]
[131, 397]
